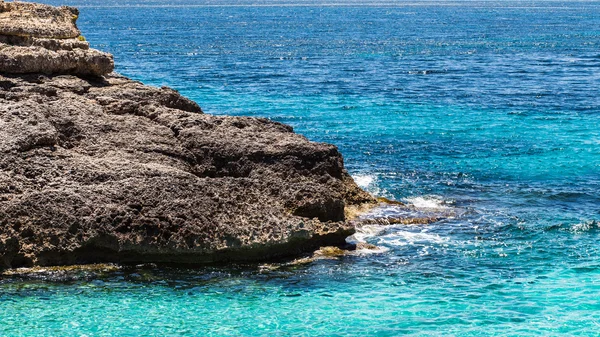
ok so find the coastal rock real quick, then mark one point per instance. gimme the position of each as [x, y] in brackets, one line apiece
[109, 170]
[105, 169]
[29, 60]
[38, 20]
[36, 38]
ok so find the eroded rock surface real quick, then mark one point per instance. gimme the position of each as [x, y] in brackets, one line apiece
[109, 170]
[37, 20]
[104, 169]
[36, 38]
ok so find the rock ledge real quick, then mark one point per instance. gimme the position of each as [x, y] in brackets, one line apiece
[36, 38]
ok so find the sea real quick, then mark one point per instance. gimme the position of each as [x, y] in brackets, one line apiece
[486, 113]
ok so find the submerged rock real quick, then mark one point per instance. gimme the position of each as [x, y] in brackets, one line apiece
[106, 169]
[36, 38]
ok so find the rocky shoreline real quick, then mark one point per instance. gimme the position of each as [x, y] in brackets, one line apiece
[98, 168]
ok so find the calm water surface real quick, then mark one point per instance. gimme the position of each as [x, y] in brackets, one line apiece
[488, 110]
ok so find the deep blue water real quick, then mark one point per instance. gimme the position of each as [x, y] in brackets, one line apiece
[488, 110]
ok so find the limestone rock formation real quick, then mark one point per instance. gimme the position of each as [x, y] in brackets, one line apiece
[106, 169]
[37, 20]
[36, 38]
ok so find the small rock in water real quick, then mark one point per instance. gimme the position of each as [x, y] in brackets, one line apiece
[390, 202]
[365, 246]
[330, 252]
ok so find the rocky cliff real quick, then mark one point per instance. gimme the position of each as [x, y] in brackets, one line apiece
[95, 167]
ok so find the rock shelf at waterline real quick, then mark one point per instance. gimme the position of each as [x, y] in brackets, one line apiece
[98, 168]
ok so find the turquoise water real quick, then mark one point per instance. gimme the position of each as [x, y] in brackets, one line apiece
[487, 110]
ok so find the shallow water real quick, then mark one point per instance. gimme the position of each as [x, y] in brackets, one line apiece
[486, 110]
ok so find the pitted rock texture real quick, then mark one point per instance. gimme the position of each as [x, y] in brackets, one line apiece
[27, 60]
[38, 20]
[108, 170]
[41, 39]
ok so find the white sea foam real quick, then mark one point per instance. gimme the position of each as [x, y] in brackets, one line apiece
[584, 226]
[365, 232]
[429, 202]
[364, 180]
[372, 183]
[391, 234]
[403, 238]
[369, 183]
[361, 236]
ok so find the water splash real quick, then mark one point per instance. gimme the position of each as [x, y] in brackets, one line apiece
[429, 202]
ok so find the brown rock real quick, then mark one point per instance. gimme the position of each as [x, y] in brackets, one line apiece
[32, 60]
[105, 169]
[38, 20]
[50, 44]
[41, 39]
[110, 170]
[366, 246]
